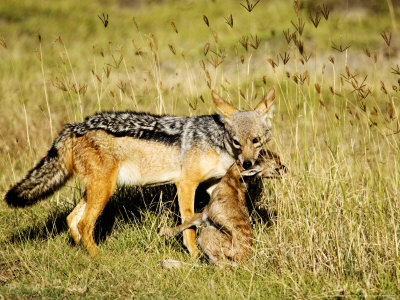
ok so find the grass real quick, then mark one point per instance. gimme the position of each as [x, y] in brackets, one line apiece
[334, 221]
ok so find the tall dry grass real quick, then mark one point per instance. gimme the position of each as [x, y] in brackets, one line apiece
[333, 221]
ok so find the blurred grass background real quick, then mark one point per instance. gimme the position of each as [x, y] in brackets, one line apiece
[334, 226]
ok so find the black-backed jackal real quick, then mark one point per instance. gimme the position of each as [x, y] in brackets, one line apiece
[228, 234]
[132, 148]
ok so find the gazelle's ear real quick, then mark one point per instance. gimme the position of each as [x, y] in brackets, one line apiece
[223, 107]
[267, 102]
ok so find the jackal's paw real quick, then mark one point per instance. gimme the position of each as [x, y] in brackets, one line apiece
[194, 253]
[76, 236]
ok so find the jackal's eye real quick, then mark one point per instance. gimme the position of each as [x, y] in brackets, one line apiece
[236, 143]
[256, 140]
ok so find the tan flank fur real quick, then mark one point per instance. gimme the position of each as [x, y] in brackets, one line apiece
[131, 148]
[228, 234]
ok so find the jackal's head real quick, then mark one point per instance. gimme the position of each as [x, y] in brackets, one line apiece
[247, 131]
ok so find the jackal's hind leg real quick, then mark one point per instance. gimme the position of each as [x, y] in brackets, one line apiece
[73, 219]
[98, 191]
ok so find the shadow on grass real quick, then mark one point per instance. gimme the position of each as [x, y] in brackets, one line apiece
[128, 204]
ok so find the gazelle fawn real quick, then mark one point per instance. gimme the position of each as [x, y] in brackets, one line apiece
[228, 234]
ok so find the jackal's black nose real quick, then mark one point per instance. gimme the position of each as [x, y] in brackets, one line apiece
[247, 164]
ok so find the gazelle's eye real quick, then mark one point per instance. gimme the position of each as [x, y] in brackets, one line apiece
[236, 143]
[256, 140]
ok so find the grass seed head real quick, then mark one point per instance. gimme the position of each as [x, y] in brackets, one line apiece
[229, 20]
[285, 57]
[294, 38]
[205, 19]
[288, 35]
[387, 37]
[244, 41]
[272, 63]
[174, 27]
[255, 41]
[61, 85]
[107, 71]
[203, 65]
[383, 88]
[300, 46]
[235, 50]
[59, 39]
[340, 48]
[305, 56]
[136, 24]
[396, 70]
[104, 19]
[390, 110]
[315, 20]
[317, 88]
[250, 6]
[348, 71]
[215, 35]
[299, 26]
[264, 79]
[3, 42]
[325, 11]
[153, 42]
[172, 48]
[242, 94]
[206, 48]
[296, 7]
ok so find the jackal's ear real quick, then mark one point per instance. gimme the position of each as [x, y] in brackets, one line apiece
[267, 102]
[223, 107]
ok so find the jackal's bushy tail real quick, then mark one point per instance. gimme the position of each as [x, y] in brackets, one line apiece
[45, 178]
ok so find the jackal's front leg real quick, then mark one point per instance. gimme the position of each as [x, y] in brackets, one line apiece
[186, 193]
